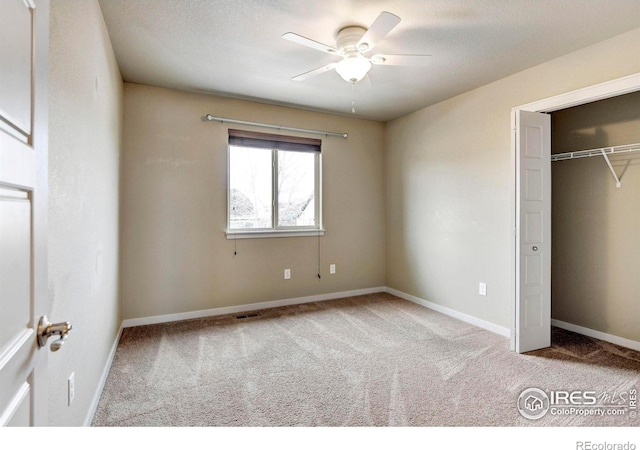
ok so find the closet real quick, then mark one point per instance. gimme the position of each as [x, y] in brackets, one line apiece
[595, 268]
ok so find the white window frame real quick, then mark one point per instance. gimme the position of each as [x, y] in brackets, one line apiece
[277, 231]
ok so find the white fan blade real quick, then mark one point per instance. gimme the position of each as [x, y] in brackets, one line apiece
[314, 72]
[309, 43]
[400, 60]
[378, 30]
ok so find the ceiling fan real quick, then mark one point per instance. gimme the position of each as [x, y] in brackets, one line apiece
[352, 44]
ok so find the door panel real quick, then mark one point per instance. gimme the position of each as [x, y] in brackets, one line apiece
[532, 271]
[16, 33]
[533, 310]
[15, 261]
[533, 225]
[533, 185]
[533, 216]
[22, 411]
[15, 377]
[23, 206]
[20, 408]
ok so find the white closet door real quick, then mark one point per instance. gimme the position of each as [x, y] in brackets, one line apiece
[533, 216]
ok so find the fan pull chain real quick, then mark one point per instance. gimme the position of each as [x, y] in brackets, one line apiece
[353, 101]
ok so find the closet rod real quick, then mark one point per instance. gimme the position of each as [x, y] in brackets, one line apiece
[604, 152]
[596, 152]
[276, 127]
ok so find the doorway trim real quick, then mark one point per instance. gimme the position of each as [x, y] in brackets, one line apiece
[608, 89]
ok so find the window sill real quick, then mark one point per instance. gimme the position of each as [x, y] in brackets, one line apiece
[266, 234]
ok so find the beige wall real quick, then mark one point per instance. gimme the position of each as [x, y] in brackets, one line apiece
[596, 248]
[448, 185]
[85, 102]
[175, 255]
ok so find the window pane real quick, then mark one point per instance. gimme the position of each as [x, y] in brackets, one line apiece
[296, 186]
[250, 204]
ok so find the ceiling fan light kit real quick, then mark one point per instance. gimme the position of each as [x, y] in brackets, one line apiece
[353, 68]
[352, 44]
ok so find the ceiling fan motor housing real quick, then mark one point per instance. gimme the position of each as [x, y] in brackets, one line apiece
[347, 40]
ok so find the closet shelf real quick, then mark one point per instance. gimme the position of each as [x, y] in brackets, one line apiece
[596, 152]
[604, 152]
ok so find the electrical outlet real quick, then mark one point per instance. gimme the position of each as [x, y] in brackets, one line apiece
[482, 289]
[287, 274]
[71, 387]
[332, 269]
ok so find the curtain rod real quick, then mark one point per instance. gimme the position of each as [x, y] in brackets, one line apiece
[209, 117]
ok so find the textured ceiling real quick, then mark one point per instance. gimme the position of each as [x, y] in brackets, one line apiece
[234, 47]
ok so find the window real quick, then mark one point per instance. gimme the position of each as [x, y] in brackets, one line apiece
[274, 185]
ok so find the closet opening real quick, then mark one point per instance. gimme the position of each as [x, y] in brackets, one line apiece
[531, 325]
[595, 217]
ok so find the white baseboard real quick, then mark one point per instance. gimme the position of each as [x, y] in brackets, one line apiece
[624, 342]
[248, 307]
[502, 331]
[103, 379]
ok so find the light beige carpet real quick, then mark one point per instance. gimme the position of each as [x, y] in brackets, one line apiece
[372, 360]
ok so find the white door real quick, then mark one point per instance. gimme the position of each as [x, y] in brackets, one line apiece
[533, 236]
[24, 42]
